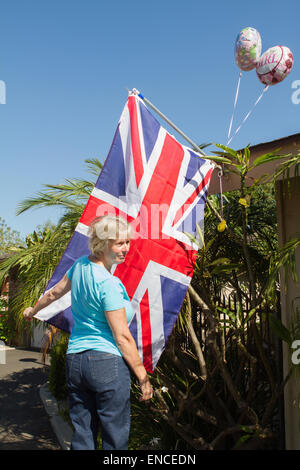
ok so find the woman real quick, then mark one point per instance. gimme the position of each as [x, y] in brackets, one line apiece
[101, 346]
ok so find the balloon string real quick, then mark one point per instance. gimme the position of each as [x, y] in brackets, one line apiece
[234, 106]
[220, 174]
[248, 114]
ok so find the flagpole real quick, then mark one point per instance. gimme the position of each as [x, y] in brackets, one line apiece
[196, 147]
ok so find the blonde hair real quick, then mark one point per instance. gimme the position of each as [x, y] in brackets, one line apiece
[107, 228]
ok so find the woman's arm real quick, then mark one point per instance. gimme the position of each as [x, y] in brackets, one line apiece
[60, 289]
[125, 342]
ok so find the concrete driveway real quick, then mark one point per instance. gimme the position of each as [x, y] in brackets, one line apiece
[24, 423]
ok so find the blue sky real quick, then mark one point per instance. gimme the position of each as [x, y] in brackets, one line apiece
[66, 64]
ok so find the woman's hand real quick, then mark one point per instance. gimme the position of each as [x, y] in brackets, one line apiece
[146, 389]
[28, 313]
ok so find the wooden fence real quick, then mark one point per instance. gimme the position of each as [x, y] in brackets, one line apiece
[230, 318]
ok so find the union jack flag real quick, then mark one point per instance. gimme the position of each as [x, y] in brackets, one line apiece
[160, 187]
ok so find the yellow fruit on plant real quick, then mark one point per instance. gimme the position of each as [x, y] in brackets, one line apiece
[222, 225]
[245, 201]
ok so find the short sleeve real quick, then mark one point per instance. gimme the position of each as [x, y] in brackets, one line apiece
[69, 273]
[112, 295]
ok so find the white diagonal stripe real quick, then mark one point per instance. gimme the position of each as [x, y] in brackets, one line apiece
[55, 307]
[151, 281]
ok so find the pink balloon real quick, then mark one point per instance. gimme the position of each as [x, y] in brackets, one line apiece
[274, 65]
[247, 49]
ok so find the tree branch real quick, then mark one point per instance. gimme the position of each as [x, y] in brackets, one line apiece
[195, 340]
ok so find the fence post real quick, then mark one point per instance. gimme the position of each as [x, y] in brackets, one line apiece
[2, 353]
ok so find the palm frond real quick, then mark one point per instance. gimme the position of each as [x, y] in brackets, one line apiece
[34, 265]
[46, 199]
[269, 157]
[75, 187]
[70, 218]
[94, 166]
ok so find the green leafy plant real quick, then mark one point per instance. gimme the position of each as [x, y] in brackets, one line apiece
[8, 237]
[57, 374]
[32, 262]
[5, 328]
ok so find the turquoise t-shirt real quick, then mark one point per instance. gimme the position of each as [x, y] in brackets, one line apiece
[94, 290]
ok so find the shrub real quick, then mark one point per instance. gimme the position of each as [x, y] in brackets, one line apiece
[6, 329]
[57, 374]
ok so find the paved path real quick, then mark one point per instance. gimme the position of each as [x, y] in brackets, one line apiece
[24, 423]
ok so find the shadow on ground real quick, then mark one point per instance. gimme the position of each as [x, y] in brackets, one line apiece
[24, 424]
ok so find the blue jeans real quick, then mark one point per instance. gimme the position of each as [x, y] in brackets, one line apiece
[99, 391]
